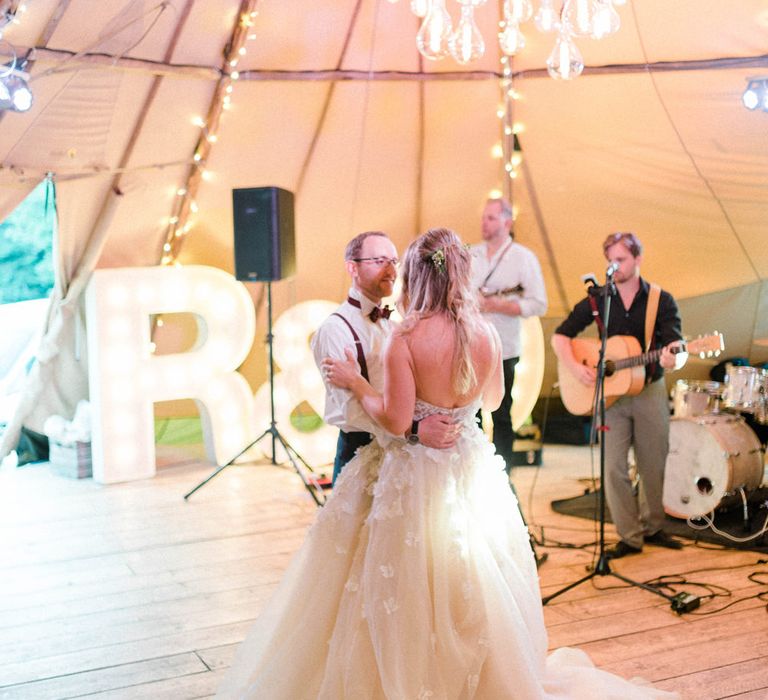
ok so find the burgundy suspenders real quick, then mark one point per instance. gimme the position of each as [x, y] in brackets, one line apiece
[358, 346]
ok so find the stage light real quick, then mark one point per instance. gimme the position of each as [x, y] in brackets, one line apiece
[15, 94]
[756, 94]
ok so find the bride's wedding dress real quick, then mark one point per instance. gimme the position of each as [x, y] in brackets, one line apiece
[416, 582]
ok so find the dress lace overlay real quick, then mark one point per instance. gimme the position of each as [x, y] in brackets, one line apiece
[416, 581]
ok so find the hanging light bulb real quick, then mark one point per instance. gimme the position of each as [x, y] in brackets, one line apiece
[420, 7]
[565, 61]
[546, 17]
[467, 42]
[511, 39]
[605, 19]
[578, 14]
[434, 36]
[518, 10]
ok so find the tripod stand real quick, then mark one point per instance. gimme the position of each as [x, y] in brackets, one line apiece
[307, 477]
[603, 568]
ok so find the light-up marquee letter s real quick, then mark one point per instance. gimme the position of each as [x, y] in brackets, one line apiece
[126, 378]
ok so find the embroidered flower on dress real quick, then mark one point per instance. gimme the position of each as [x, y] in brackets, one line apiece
[390, 605]
[387, 570]
[340, 549]
[410, 539]
[425, 693]
[352, 585]
[473, 680]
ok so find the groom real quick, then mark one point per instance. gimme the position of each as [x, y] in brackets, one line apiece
[360, 323]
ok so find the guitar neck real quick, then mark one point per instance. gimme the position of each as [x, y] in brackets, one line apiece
[645, 359]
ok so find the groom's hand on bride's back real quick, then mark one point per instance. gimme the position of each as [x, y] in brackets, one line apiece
[438, 431]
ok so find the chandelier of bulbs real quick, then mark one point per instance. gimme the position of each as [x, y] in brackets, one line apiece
[569, 19]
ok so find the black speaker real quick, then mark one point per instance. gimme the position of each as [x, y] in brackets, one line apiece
[264, 234]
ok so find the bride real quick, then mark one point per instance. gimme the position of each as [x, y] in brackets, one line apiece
[417, 580]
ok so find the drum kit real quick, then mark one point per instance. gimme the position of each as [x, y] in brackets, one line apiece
[714, 454]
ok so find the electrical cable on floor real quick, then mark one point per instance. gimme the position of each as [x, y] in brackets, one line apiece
[710, 523]
[541, 541]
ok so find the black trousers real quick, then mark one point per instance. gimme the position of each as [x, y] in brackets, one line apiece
[503, 435]
[346, 446]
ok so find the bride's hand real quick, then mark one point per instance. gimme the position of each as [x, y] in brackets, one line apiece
[342, 373]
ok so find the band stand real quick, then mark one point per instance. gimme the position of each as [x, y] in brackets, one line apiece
[307, 476]
[603, 568]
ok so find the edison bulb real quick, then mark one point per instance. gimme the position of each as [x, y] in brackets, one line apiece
[546, 17]
[467, 42]
[565, 61]
[433, 39]
[511, 40]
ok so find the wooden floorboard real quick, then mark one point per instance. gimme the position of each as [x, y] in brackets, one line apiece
[129, 591]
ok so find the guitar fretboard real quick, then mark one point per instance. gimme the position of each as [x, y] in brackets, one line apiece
[645, 359]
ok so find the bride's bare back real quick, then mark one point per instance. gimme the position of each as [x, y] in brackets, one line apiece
[431, 345]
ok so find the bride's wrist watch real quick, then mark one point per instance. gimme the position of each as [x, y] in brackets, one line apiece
[413, 436]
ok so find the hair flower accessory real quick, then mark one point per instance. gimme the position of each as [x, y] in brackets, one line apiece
[438, 259]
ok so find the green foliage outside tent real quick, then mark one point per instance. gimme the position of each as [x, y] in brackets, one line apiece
[26, 245]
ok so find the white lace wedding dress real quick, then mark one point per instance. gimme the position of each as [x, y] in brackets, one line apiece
[416, 582]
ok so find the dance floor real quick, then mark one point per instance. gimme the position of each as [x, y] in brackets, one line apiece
[128, 591]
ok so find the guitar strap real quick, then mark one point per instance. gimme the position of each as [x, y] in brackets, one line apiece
[654, 292]
[496, 264]
[596, 314]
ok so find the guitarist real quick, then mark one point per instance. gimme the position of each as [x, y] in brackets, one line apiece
[640, 421]
[510, 286]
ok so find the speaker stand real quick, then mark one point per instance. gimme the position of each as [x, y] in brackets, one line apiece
[299, 464]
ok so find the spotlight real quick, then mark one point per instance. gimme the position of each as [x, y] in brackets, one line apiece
[756, 94]
[15, 94]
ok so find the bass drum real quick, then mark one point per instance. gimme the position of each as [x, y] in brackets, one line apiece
[709, 457]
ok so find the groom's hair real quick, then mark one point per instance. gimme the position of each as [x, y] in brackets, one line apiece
[354, 247]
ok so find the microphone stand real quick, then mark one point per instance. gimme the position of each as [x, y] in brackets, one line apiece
[603, 568]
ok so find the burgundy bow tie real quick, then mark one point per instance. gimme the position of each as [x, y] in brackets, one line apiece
[376, 313]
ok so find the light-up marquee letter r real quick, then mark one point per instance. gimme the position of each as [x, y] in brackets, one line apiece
[126, 378]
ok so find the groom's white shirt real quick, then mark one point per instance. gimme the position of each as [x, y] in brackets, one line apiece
[333, 336]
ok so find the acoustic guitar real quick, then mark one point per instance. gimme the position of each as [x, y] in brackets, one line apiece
[624, 367]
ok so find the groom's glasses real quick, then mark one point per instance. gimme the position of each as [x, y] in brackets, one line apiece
[379, 261]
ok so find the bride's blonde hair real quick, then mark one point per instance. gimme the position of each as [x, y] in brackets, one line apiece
[436, 279]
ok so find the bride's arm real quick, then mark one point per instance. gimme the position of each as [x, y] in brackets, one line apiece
[493, 391]
[393, 409]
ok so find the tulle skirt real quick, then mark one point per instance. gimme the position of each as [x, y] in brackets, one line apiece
[416, 581]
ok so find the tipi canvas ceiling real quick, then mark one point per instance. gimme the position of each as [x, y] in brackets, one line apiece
[335, 103]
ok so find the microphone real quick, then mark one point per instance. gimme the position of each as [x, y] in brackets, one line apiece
[611, 269]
